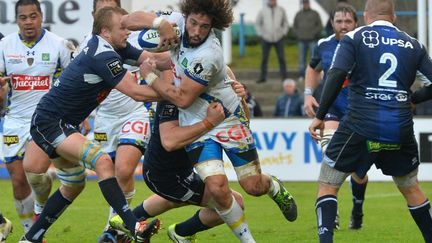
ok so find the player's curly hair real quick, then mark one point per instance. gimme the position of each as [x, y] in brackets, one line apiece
[220, 11]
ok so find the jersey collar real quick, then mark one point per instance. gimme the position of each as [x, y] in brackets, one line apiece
[382, 23]
[31, 44]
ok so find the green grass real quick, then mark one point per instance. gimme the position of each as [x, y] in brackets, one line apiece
[386, 217]
[252, 57]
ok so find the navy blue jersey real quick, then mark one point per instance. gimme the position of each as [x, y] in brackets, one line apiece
[86, 81]
[156, 156]
[384, 61]
[322, 60]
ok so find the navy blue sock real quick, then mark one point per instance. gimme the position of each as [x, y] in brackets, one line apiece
[54, 207]
[140, 212]
[358, 195]
[326, 209]
[191, 226]
[115, 198]
[422, 217]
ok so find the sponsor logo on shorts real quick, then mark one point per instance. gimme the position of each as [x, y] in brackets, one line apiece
[236, 133]
[27, 82]
[10, 139]
[139, 127]
[100, 137]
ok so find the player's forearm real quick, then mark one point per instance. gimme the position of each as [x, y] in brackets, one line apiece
[177, 137]
[332, 87]
[312, 78]
[145, 93]
[422, 94]
[138, 20]
[172, 93]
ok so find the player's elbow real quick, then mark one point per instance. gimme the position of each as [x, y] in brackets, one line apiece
[170, 145]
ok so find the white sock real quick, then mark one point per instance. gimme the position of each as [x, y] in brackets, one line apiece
[235, 219]
[24, 209]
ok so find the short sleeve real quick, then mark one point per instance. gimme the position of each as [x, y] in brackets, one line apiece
[109, 67]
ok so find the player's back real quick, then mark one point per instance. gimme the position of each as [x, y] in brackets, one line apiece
[384, 61]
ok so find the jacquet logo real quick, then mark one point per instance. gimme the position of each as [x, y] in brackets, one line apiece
[26, 82]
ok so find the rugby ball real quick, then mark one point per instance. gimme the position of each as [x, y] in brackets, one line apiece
[148, 39]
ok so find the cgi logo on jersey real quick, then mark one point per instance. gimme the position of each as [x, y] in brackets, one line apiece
[372, 39]
[27, 82]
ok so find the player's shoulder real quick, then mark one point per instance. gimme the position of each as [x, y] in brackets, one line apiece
[211, 49]
[326, 40]
[98, 47]
[55, 40]
[10, 39]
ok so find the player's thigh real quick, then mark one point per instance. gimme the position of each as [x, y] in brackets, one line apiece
[180, 186]
[16, 136]
[106, 132]
[347, 151]
[399, 162]
[35, 159]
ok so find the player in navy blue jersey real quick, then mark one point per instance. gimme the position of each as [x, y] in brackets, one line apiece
[343, 19]
[77, 92]
[378, 127]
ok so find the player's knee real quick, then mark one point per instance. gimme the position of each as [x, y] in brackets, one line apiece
[74, 177]
[210, 168]
[330, 176]
[407, 181]
[124, 172]
[90, 153]
[40, 182]
[254, 185]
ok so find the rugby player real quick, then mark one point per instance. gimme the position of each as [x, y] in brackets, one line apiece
[79, 90]
[200, 73]
[343, 19]
[378, 127]
[30, 61]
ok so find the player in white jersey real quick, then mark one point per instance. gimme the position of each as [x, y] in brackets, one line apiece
[29, 61]
[200, 78]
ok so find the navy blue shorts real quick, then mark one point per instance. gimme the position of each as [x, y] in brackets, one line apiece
[180, 186]
[49, 132]
[350, 152]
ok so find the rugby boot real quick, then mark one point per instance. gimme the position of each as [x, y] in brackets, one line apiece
[285, 201]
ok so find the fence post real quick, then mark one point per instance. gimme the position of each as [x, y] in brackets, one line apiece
[242, 36]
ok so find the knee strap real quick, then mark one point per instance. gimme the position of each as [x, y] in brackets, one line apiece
[90, 153]
[327, 136]
[210, 168]
[75, 176]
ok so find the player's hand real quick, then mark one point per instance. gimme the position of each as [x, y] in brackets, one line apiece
[4, 81]
[310, 104]
[85, 127]
[239, 89]
[168, 36]
[147, 67]
[316, 124]
[215, 113]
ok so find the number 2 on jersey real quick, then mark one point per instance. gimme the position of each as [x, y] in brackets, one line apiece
[384, 79]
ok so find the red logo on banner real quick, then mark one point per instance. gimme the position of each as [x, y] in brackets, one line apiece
[26, 82]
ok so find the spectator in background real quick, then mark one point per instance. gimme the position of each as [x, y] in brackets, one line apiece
[307, 27]
[271, 26]
[253, 105]
[290, 103]
[1, 36]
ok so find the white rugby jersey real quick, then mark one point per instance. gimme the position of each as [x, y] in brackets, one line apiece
[31, 69]
[205, 65]
[116, 103]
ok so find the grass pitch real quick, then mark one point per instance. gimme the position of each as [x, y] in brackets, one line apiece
[386, 219]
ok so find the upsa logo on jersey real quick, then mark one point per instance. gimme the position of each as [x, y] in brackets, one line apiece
[27, 82]
[372, 39]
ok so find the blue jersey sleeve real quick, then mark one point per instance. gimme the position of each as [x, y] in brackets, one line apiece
[344, 57]
[168, 112]
[130, 52]
[109, 67]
